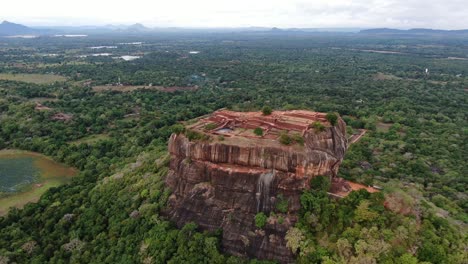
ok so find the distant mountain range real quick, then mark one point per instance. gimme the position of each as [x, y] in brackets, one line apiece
[414, 31]
[12, 29]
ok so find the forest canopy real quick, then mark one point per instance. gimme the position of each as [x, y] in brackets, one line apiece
[414, 149]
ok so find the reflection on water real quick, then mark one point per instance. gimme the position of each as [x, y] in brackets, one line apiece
[224, 130]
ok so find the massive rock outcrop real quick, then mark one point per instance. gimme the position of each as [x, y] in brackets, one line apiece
[226, 174]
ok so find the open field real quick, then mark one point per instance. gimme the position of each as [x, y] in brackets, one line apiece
[383, 127]
[123, 88]
[43, 99]
[382, 76]
[32, 78]
[90, 139]
[30, 196]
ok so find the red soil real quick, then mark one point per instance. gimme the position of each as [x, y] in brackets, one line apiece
[62, 116]
[178, 88]
[238, 122]
[40, 107]
[342, 187]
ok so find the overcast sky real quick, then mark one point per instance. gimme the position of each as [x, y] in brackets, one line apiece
[443, 14]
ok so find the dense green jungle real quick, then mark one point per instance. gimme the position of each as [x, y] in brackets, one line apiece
[83, 103]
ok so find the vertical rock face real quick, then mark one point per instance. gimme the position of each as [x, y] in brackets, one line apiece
[223, 182]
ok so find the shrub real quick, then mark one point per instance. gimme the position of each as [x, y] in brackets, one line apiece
[332, 118]
[298, 139]
[221, 138]
[280, 219]
[260, 220]
[282, 204]
[320, 183]
[178, 128]
[318, 127]
[144, 193]
[285, 139]
[258, 131]
[267, 110]
[194, 135]
[210, 126]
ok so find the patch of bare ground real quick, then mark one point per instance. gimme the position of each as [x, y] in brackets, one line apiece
[356, 137]
[39, 100]
[62, 117]
[434, 82]
[342, 188]
[40, 107]
[382, 76]
[383, 127]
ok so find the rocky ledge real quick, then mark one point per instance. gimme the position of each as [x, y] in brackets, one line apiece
[223, 172]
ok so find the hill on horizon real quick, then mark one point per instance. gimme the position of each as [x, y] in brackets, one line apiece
[414, 31]
[10, 29]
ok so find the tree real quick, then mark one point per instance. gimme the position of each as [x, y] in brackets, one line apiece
[284, 138]
[344, 248]
[362, 212]
[258, 131]
[266, 110]
[294, 238]
[332, 118]
[407, 259]
[320, 183]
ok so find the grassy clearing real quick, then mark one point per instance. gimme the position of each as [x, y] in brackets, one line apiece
[90, 139]
[385, 77]
[43, 99]
[124, 88]
[382, 76]
[33, 78]
[383, 127]
[30, 196]
[52, 174]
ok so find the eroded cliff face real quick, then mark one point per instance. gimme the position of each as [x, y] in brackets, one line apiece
[224, 184]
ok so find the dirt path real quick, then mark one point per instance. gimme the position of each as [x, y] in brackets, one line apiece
[355, 138]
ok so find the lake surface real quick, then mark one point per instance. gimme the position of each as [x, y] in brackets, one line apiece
[129, 57]
[25, 176]
[17, 173]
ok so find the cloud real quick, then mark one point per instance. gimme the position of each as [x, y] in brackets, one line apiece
[449, 14]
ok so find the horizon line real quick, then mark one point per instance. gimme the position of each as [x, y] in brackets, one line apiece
[104, 25]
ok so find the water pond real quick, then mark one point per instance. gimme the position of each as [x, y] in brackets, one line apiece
[25, 176]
